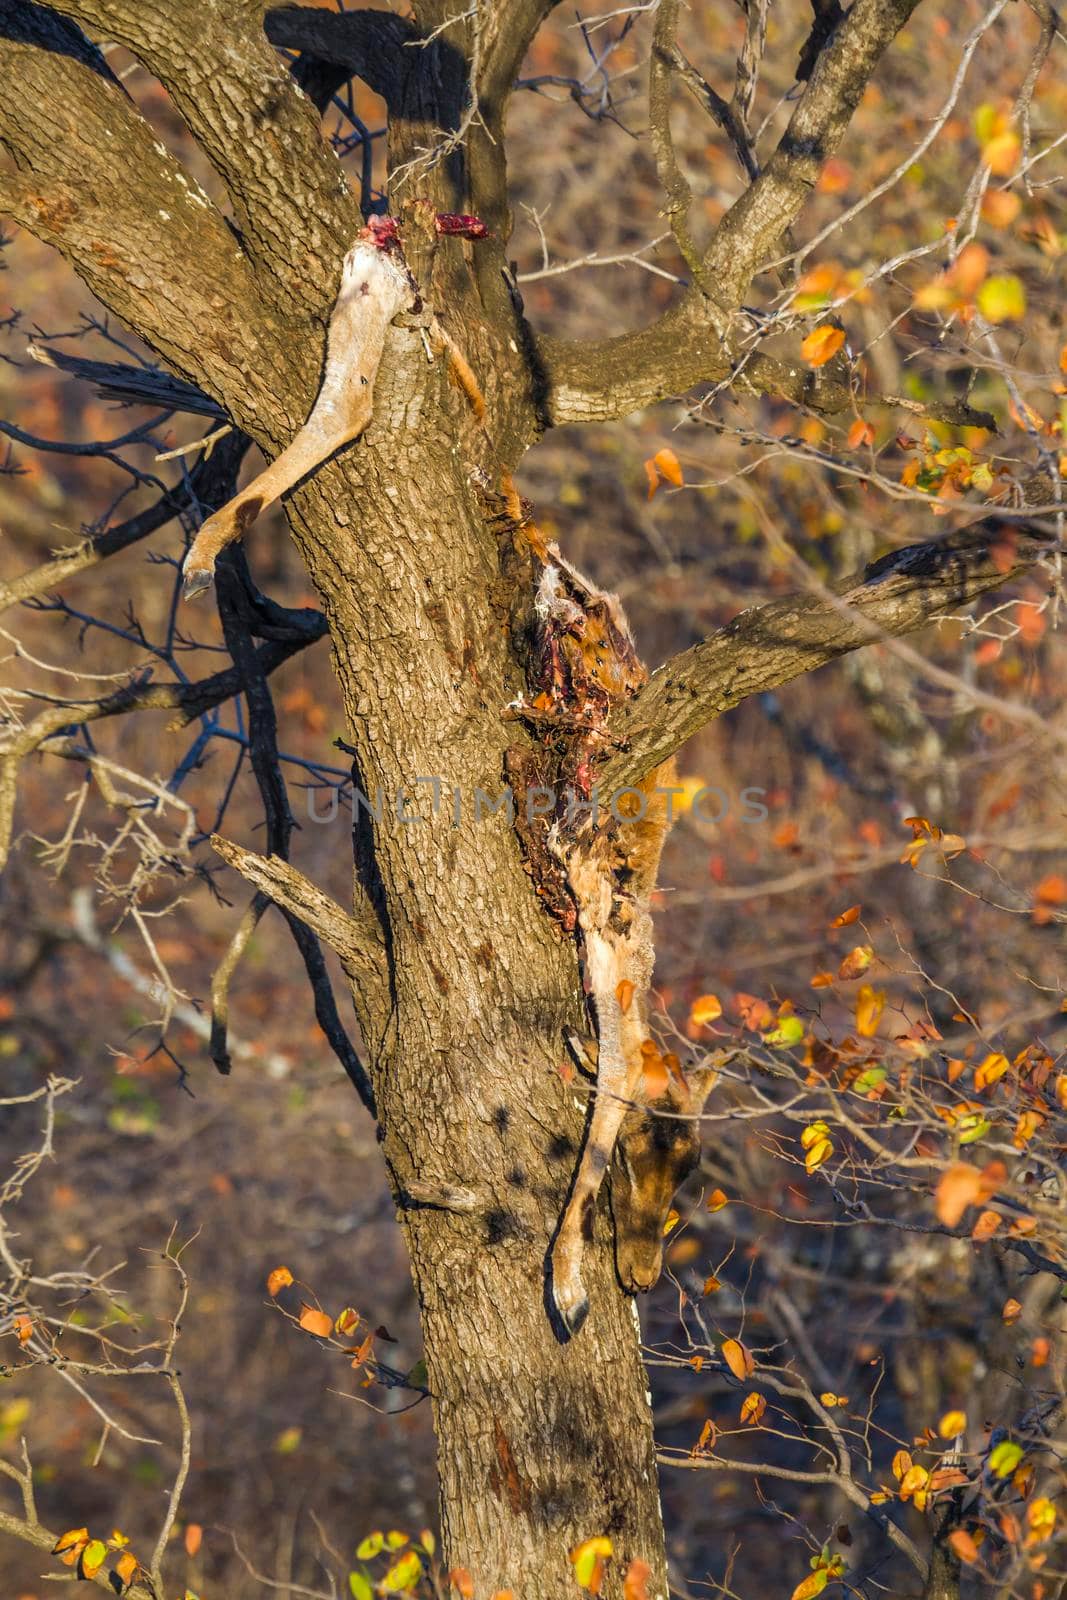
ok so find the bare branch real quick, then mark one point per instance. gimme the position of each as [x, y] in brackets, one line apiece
[357, 940]
[205, 485]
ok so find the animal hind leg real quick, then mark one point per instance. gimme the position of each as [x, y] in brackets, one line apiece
[616, 1084]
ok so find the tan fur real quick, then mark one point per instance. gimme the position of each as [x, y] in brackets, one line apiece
[374, 288]
[612, 873]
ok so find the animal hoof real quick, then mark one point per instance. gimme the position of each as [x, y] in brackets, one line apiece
[196, 582]
[572, 1305]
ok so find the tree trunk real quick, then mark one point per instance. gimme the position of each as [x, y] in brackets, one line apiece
[541, 1444]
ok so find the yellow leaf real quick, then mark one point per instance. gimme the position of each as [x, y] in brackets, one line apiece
[673, 1219]
[1004, 1459]
[1026, 1127]
[813, 1133]
[915, 1479]
[870, 1003]
[588, 1560]
[705, 1009]
[403, 1574]
[991, 1070]
[818, 1154]
[951, 1423]
[1040, 1520]
[822, 344]
[901, 1464]
[316, 1322]
[346, 1320]
[738, 1359]
[279, 1279]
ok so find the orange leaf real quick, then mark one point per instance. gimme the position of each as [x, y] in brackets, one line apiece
[707, 1008]
[846, 917]
[624, 993]
[73, 1539]
[752, 1408]
[963, 1545]
[860, 433]
[959, 1187]
[1011, 1311]
[822, 344]
[460, 1579]
[738, 1359]
[194, 1538]
[635, 1583]
[717, 1199]
[279, 1279]
[856, 962]
[127, 1566]
[23, 1328]
[986, 1226]
[669, 467]
[316, 1322]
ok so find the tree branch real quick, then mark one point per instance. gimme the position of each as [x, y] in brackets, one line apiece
[156, 251]
[294, 212]
[366, 44]
[236, 599]
[357, 940]
[33, 1533]
[690, 343]
[769, 645]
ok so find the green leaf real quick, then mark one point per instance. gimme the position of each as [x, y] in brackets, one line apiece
[368, 1548]
[1004, 1459]
[360, 1586]
[871, 1079]
[974, 1127]
[1002, 298]
[790, 1031]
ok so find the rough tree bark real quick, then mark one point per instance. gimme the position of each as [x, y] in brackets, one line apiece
[463, 986]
